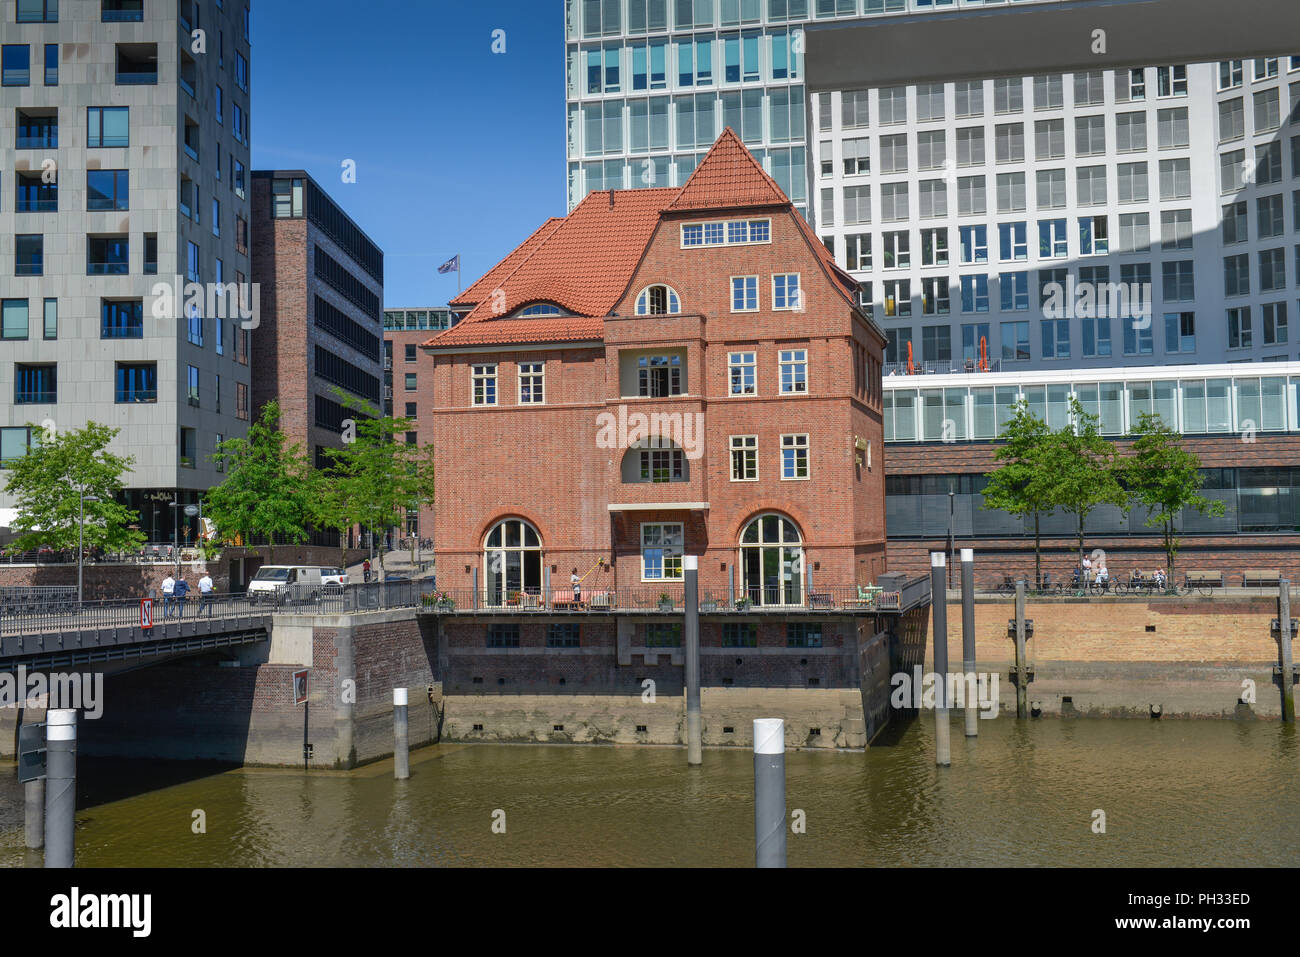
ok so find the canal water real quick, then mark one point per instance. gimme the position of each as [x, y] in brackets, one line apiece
[1173, 794]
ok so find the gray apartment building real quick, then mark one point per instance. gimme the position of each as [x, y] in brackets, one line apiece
[124, 132]
[320, 338]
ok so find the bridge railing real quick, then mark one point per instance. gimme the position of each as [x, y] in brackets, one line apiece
[667, 598]
[44, 618]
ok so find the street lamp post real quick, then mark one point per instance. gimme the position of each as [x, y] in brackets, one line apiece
[176, 531]
[952, 499]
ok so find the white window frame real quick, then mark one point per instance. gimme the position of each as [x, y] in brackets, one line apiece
[796, 442]
[748, 445]
[746, 280]
[793, 304]
[793, 359]
[534, 373]
[725, 226]
[737, 360]
[671, 299]
[481, 373]
[667, 552]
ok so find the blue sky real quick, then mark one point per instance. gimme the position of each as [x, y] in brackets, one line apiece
[457, 149]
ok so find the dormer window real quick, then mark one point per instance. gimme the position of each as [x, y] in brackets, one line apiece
[539, 310]
[658, 301]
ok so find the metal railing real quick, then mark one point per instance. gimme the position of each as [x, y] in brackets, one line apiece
[951, 367]
[660, 599]
[64, 615]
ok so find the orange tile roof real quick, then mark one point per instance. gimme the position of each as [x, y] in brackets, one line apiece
[584, 262]
[729, 178]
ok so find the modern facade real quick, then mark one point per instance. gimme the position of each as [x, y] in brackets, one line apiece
[966, 209]
[408, 375]
[1242, 421]
[320, 336]
[628, 389]
[124, 154]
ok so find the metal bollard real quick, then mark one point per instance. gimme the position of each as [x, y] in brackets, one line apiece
[968, 641]
[401, 736]
[939, 612]
[60, 787]
[769, 792]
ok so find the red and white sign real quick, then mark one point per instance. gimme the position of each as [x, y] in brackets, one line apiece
[300, 687]
[146, 613]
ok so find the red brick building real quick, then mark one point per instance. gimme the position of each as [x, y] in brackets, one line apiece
[664, 372]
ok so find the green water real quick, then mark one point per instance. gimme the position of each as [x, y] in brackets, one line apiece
[1174, 794]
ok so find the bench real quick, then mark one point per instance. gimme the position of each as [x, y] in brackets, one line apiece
[1260, 577]
[1212, 579]
[562, 599]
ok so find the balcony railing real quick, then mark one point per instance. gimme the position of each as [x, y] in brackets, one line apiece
[38, 206]
[47, 142]
[35, 398]
[955, 367]
[137, 395]
[137, 78]
[115, 268]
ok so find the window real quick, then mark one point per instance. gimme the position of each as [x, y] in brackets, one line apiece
[933, 198]
[744, 458]
[893, 155]
[1236, 227]
[13, 319]
[929, 102]
[1015, 293]
[38, 11]
[564, 635]
[1275, 323]
[1049, 92]
[1015, 341]
[484, 382]
[29, 255]
[241, 72]
[1056, 338]
[744, 294]
[1090, 135]
[1172, 129]
[931, 149]
[935, 297]
[898, 298]
[1094, 236]
[503, 635]
[857, 205]
[108, 189]
[1175, 179]
[1176, 229]
[971, 198]
[1272, 270]
[660, 464]
[794, 457]
[794, 371]
[741, 368]
[192, 386]
[1012, 242]
[936, 344]
[107, 255]
[1130, 85]
[771, 561]
[974, 244]
[531, 388]
[661, 551]
[1096, 336]
[1179, 281]
[35, 385]
[287, 198]
[1230, 74]
[1232, 120]
[195, 322]
[412, 382]
[15, 65]
[1053, 240]
[1051, 188]
[1268, 110]
[540, 309]
[136, 382]
[658, 301]
[893, 202]
[137, 64]
[893, 106]
[659, 376]
[512, 558]
[740, 635]
[1009, 95]
[934, 247]
[1131, 132]
[1049, 139]
[1271, 216]
[1268, 164]
[1180, 332]
[1009, 140]
[975, 293]
[1239, 331]
[37, 130]
[785, 292]
[1171, 80]
[857, 255]
[1134, 186]
[1236, 275]
[897, 250]
[737, 232]
[51, 330]
[970, 146]
[969, 98]
[35, 195]
[854, 111]
[1134, 232]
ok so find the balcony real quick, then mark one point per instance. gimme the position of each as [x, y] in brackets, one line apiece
[137, 64]
[133, 396]
[121, 11]
[953, 367]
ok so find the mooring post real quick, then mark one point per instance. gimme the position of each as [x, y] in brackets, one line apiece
[694, 744]
[34, 813]
[1022, 668]
[939, 612]
[60, 787]
[401, 736]
[475, 603]
[968, 641]
[1284, 640]
[769, 792]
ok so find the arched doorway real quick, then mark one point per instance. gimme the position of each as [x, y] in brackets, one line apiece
[771, 561]
[512, 561]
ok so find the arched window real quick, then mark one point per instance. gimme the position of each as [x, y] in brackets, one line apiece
[512, 561]
[539, 309]
[658, 301]
[771, 561]
[655, 461]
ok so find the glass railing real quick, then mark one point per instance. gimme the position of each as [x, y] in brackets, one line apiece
[35, 398]
[107, 268]
[133, 78]
[136, 395]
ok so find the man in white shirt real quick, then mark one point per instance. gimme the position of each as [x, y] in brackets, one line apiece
[205, 594]
[168, 586]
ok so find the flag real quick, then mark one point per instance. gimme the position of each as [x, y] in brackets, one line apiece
[451, 265]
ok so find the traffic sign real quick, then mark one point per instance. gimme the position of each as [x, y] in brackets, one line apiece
[146, 613]
[300, 687]
[31, 752]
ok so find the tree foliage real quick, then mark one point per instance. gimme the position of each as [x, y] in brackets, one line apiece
[267, 489]
[47, 486]
[1082, 469]
[1021, 485]
[1166, 478]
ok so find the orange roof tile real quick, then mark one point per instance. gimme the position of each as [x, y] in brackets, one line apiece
[729, 178]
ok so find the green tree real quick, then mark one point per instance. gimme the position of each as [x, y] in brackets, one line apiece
[266, 490]
[1020, 486]
[1082, 470]
[1166, 478]
[377, 477]
[47, 486]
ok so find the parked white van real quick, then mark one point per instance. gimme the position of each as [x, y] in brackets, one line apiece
[275, 583]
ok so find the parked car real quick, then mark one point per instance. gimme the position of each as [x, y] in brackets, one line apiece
[334, 576]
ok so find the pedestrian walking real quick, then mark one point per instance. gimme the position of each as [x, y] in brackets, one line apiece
[179, 591]
[168, 589]
[205, 594]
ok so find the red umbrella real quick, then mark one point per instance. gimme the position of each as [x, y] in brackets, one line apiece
[984, 354]
[910, 368]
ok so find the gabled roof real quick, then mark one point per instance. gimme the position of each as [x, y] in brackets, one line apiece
[584, 262]
[729, 178]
